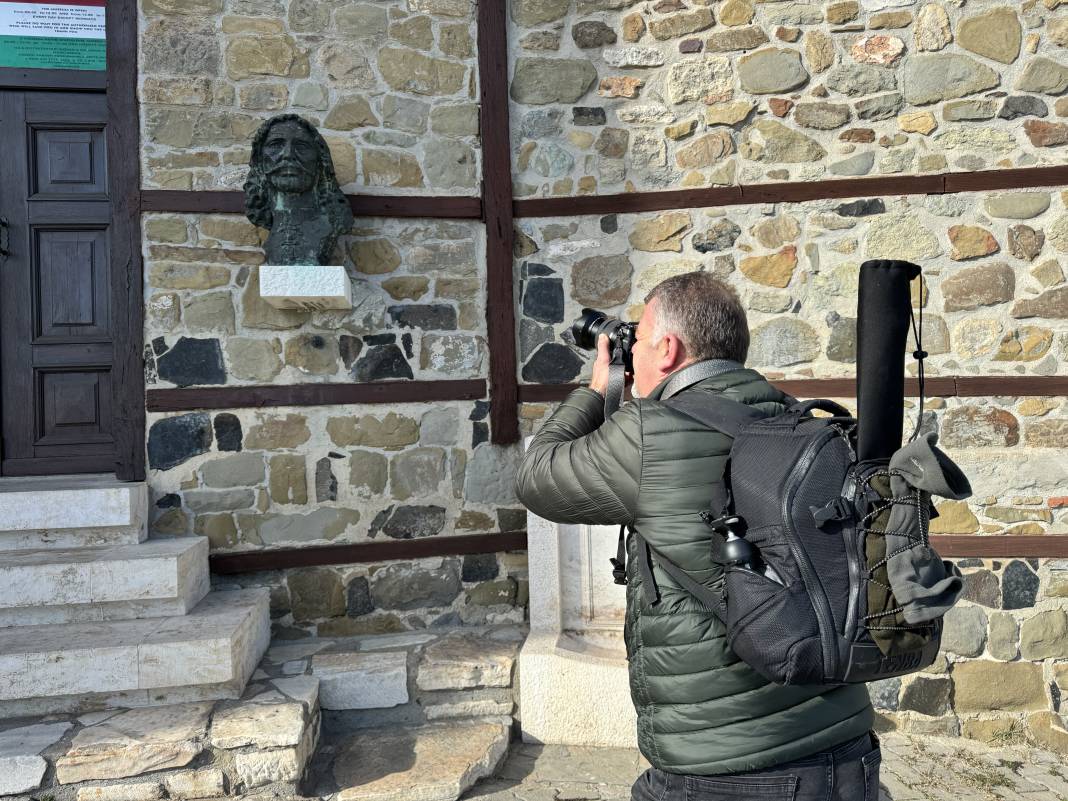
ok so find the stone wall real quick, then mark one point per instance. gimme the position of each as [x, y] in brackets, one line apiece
[391, 85]
[419, 308]
[620, 95]
[393, 88]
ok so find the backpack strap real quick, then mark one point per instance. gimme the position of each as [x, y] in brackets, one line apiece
[722, 414]
[710, 600]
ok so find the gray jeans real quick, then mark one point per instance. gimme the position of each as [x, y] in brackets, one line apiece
[847, 772]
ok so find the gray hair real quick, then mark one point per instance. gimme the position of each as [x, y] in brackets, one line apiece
[705, 313]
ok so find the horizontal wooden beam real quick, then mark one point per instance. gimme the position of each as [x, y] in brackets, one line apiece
[262, 396]
[956, 546]
[934, 387]
[363, 552]
[995, 546]
[233, 202]
[792, 192]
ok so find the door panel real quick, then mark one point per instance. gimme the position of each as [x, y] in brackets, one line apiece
[56, 325]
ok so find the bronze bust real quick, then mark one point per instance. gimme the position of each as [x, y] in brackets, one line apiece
[292, 191]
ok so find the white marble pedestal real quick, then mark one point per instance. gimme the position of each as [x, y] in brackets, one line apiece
[311, 287]
[573, 684]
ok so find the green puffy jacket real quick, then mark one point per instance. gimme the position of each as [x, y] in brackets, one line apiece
[700, 709]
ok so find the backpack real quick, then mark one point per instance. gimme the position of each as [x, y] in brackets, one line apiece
[829, 577]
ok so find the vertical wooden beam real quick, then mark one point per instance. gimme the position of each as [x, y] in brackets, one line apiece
[124, 187]
[497, 214]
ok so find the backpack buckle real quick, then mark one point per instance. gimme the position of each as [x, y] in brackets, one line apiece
[619, 571]
[723, 524]
[838, 509]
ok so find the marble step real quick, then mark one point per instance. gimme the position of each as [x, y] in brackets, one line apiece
[155, 578]
[207, 654]
[71, 512]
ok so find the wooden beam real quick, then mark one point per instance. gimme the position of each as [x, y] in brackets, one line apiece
[995, 546]
[363, 552]
[264, 396]
[227, 201]
[792, 192]
[55, 80]
[1019, 178]
[956, 546]
[497, 213]
[1054, 386]
[124, 187]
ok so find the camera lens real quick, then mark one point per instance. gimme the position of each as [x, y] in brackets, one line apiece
[589, 325]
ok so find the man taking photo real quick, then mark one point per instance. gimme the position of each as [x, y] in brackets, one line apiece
[711, 727]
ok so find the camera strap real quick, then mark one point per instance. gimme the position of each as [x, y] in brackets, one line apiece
[699, 371]
[613, 393]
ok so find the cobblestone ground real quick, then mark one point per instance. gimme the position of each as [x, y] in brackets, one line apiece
[913, 769]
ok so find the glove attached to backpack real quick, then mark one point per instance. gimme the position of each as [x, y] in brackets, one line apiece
[829, 577]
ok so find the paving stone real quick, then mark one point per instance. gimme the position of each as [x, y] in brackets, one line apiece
[439, 762]
[361, 681]
[136, 742]
[21, 768]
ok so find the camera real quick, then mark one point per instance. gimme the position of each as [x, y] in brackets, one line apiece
[592, 323]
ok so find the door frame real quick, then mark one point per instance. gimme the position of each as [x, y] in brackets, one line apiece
[123, 137]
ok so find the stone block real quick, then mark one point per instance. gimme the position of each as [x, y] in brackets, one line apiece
[157, 578]
[440, 762]
[72, 513]
[1045, 635]
[306, 287]
[989, 686]
[239, 470]
[965, 631]
[259, 725]
[458, 662]
[257, 768]
[361, 681]
[191, 784]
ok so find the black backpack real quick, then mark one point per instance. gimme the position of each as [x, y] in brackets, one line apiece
[802, 536]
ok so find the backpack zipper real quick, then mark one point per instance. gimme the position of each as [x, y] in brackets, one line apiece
[808, 574]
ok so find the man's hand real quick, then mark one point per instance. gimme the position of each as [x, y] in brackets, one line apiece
[599, 377]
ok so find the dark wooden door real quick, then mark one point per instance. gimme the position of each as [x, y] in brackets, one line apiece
[56, 320]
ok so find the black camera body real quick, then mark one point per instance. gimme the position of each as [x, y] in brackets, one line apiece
[621, 336]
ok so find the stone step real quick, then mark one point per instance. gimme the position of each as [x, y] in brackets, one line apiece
[427, 763]
[156, 578]
[75, 667]
[71, 512]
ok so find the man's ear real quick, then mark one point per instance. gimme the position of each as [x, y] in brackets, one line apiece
[672, 352]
